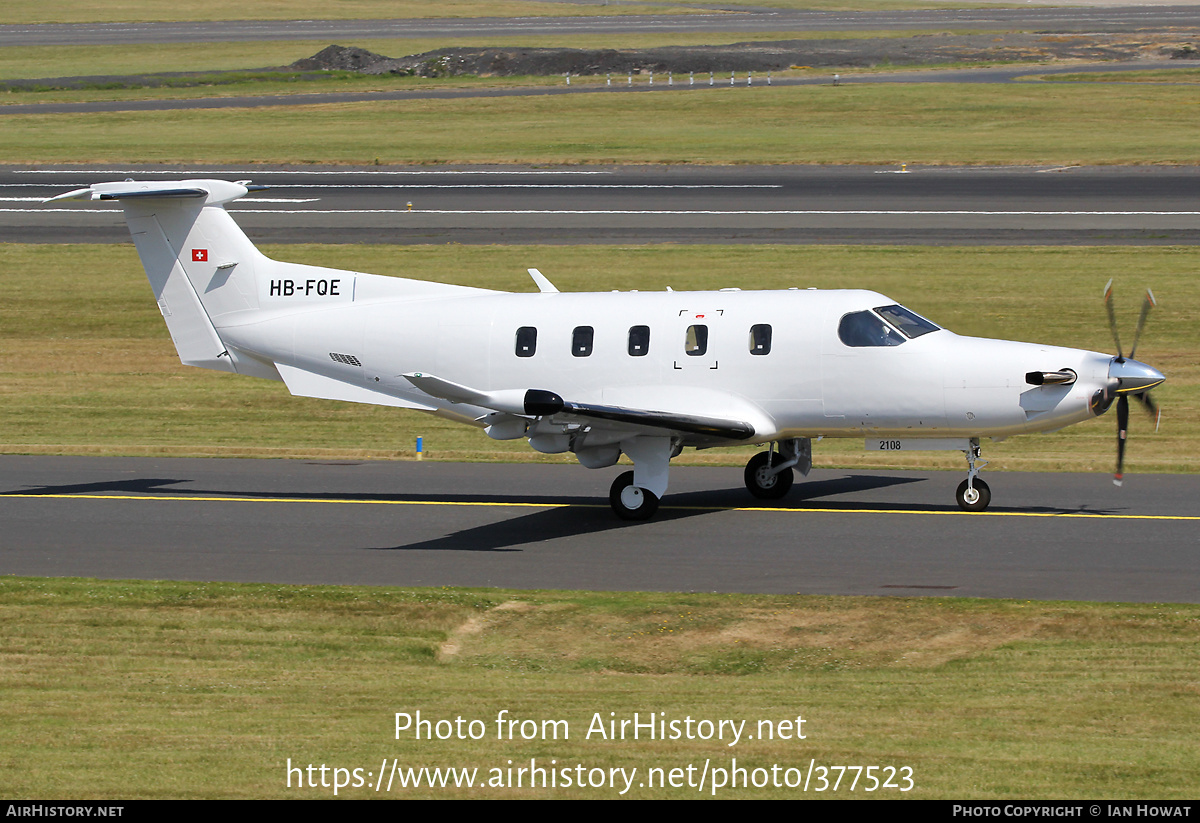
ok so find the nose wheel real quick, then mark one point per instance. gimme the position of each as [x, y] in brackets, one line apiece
[974, 497]
[973, 494]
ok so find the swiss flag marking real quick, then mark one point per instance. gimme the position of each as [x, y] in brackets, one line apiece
[199, 255]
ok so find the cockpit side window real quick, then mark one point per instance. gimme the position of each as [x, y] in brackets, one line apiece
[863, 328]
[910, 325]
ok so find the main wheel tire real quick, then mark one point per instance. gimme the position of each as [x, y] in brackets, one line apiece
[764, 485]
[630, 502]
[975, 499]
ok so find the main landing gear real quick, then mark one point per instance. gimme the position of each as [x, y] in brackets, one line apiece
[766, 478]
[631, 502]
[973, 494]
[634, 495]
[769, 474]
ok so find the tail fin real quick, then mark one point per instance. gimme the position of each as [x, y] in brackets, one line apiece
[207, 276]
[200, 264]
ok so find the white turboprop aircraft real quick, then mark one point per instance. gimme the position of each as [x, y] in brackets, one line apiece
[643, 374]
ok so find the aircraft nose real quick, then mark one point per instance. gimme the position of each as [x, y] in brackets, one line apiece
[1133, 376]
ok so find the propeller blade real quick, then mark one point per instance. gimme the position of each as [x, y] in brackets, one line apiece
[1151, 408]
[1147, 304]
[1122, 428]
[1112, 319]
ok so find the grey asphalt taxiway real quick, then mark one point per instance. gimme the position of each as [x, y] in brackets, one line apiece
[1047, 536]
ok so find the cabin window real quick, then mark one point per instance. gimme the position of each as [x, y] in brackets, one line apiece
[760, 339]
[639, 341]
[526, 341]
[696, 342]
[863, 328]
[581, 341]
[910, 325]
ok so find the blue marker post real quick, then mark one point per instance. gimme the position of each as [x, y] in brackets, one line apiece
[420, 447]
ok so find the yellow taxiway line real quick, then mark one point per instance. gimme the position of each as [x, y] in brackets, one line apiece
[508, 504]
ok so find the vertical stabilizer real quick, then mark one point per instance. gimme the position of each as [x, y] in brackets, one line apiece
[200, 264]
[191, 329]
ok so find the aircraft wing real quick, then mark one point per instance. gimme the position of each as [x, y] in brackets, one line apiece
[542, 403]
[545, 403]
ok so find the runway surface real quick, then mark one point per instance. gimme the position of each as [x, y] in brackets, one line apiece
[1107, 19]
[1047, 536]
[599, 204]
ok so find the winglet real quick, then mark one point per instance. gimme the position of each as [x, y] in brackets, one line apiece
[544, 285]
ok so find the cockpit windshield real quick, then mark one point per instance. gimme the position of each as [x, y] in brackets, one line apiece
[910, 325]
[867, 328]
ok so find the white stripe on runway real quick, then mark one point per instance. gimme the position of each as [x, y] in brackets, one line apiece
[811, 212]
[258, 172]
[531, 186]
[798, 212]
[282, 186]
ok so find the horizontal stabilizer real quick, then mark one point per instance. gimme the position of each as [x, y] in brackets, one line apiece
[213, 192]
[309, 384]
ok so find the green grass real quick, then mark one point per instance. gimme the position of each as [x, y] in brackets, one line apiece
[1180, 75]
[121, 689]
[86, 365]
[1023, 124]
[18, 62]
[250, 83]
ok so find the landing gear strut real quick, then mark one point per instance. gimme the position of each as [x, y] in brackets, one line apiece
[973, 494]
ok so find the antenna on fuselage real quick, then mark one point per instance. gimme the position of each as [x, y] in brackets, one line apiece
[543, 284]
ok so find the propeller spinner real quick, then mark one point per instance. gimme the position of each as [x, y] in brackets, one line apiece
[1129, 378]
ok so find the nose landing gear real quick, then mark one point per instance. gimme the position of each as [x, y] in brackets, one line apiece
[973, 494]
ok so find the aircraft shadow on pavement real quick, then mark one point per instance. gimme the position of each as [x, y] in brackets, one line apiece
[140, 485]
[578, 517]
[593, 517]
